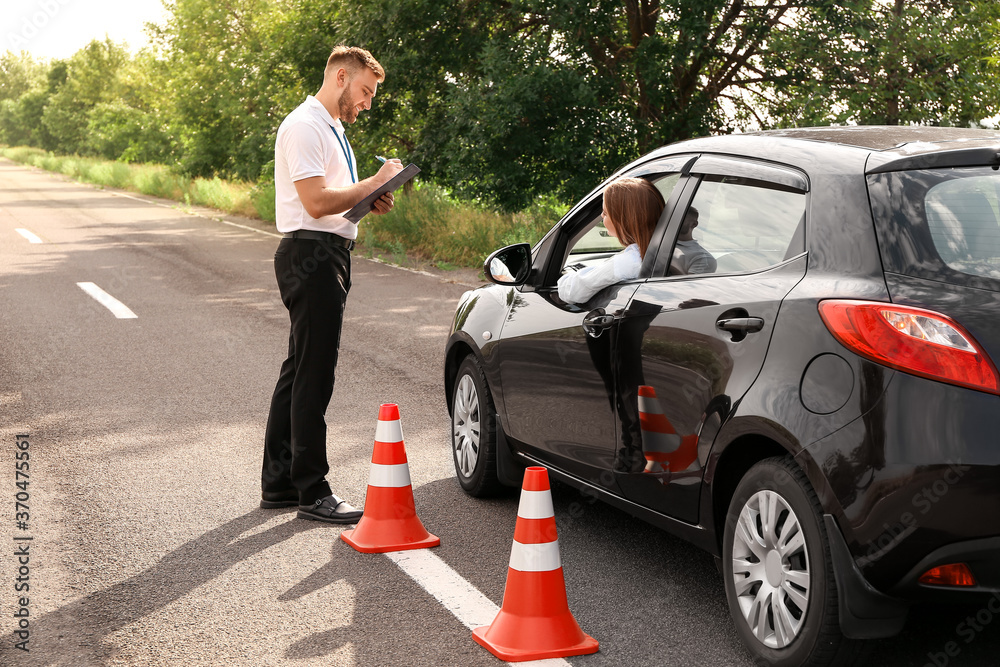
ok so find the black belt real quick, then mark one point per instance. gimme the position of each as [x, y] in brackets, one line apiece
[325, 237]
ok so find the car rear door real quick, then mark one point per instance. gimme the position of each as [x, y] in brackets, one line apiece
[690, 344]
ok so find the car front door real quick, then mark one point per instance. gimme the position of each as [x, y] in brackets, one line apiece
[556, 370]
[693, 339]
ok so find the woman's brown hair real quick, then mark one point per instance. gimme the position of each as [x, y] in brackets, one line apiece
[634, 206]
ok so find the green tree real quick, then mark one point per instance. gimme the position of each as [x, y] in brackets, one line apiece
[229, 89]
[508, 100]
[888, 62]
[23, 95]
[135, 127]
[20, 120]
[88, 78]
[19, 74]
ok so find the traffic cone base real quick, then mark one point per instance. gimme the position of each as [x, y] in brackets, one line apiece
[379, 548]
[389, 522]
[534, 621]
[390, 525]
[513, 654]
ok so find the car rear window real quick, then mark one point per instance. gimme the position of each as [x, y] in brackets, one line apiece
[963, 222]
[940, 224]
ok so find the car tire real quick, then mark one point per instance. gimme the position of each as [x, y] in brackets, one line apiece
[474, 431]
[778, 571]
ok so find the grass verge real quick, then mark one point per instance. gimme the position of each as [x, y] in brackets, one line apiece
[425, 222]
[430, 224]
[245, 199]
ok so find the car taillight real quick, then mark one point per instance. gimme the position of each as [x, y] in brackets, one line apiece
[912, 340]
[955, 574]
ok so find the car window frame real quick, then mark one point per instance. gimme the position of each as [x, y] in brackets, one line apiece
[779, 175]
[556, 242]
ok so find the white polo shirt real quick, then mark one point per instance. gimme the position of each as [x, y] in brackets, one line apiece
[311, 143]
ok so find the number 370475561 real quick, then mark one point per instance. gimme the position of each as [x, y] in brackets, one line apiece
[22, 479]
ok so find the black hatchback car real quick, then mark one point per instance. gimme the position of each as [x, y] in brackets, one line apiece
[821, 411]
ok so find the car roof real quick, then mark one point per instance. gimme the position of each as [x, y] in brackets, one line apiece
[846, 149]
[886, 137]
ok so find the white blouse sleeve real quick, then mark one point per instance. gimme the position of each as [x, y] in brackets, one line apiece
[579, 286]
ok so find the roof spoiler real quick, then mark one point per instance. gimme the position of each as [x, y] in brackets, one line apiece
[958, 157]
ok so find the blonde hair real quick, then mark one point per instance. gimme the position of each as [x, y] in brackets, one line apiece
[352, 58]
[634, 206]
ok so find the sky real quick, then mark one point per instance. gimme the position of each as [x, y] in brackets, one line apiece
[58, 28]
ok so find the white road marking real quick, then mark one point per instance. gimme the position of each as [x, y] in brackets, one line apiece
[120, 310]
[457, 595]
[28, 235]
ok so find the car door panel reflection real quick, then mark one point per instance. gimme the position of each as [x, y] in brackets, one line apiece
[558, 383]
[678, 374]
[664, 449]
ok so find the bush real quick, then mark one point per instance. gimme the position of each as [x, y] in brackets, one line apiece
[117, 131]
[159, 181]
[431, 224]
[262, 196]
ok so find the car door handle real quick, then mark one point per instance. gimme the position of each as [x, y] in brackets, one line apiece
[599, 321]
[741, 324]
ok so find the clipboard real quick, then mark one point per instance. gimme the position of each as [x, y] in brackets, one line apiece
[364, 207]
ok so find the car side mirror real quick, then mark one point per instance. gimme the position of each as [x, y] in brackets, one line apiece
[510, 265]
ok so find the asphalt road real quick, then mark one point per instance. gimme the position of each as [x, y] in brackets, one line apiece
[147, 545]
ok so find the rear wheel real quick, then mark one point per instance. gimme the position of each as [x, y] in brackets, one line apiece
[778, 571]
[473, 431]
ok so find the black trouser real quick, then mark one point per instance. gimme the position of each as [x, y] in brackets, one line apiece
[314, 278]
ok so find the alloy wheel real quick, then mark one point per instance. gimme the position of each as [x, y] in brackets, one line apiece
[771, 569]
[466, 427]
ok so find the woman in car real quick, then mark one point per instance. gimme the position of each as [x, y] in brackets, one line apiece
[632, 206]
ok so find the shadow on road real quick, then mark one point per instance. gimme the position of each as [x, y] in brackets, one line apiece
[73, 634]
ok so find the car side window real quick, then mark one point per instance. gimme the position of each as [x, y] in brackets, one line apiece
[592, 241]
[737, 225]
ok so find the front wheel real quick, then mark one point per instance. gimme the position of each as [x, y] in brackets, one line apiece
[778, 571]
[473, 431]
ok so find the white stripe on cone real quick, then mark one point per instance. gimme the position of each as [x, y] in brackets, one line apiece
[535, 557]
[391, 476]
[389, 431]
[536, 505]
[650, 405]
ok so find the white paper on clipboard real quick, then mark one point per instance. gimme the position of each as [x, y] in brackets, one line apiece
[364, 207]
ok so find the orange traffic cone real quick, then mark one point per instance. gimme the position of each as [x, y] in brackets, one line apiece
[390, 521]
[535, 621]
[664, 449]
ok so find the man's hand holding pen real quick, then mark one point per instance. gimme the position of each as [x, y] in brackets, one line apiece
[390, 167]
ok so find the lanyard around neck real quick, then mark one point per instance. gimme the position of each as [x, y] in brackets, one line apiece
[346, 147]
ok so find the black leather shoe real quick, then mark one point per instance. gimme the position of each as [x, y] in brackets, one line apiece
[330, 509]
[270, 501]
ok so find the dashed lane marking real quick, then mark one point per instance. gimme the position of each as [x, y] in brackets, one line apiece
[119, 309]
[28, 235]
[456, 594]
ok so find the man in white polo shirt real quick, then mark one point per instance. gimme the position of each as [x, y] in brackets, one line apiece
[316, 181]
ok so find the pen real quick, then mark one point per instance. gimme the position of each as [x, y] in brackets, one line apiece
[380, 158]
